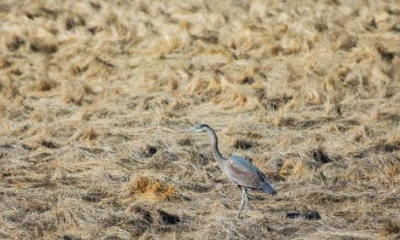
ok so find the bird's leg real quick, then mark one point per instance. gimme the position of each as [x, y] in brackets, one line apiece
[246, 200]
[241, 204]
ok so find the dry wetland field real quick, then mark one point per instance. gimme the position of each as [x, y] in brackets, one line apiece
[95, 97]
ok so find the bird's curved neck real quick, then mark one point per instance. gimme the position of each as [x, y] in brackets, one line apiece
[214, 146]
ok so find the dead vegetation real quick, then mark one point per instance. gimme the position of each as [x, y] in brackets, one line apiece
[95, 95]
[144, 187]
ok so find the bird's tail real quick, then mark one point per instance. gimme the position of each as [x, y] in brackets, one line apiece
[268, 187]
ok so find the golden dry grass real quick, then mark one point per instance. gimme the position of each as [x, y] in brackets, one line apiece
[94, 96]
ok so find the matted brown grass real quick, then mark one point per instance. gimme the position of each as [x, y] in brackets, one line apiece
[95, 95]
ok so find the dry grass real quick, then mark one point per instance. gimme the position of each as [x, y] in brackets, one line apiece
[150, 189]
[94, 96]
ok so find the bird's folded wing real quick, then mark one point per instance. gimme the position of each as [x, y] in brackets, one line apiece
[244, 173]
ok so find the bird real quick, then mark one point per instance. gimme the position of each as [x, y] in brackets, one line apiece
[239, 170]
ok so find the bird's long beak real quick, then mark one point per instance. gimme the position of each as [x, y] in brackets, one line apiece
[193, 129]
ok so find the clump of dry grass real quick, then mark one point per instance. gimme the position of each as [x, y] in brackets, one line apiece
[3, 107]
[147, 151]
[390, 228]
[146, 188]
[319, 155]
[77, 92]
[242, 144]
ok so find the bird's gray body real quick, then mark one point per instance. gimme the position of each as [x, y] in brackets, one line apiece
[244, 174]
[238, 169]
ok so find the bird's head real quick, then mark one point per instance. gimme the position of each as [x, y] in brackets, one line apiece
[199, 128]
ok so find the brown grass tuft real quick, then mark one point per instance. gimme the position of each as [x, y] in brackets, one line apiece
[3, 107]
[286, 168]
[319, 155]
[150, 189]
[15, 42]
[390, 227]
[46, 85]
[38, 45]
[77, 92]
[243, 144]
[346, 42]
[147, 151]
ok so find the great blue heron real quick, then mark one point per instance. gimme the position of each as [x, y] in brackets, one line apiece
[238, 169]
